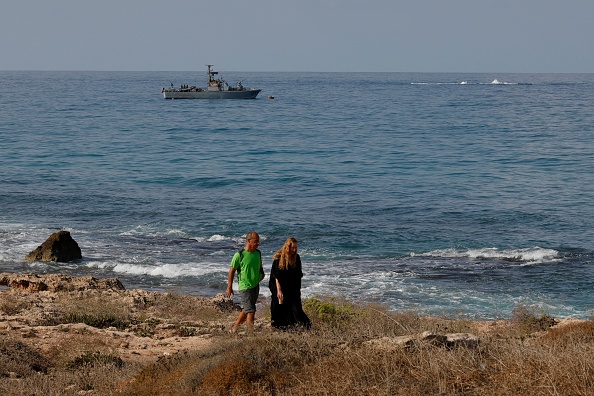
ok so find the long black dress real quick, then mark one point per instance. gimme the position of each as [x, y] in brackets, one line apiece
[290, 312]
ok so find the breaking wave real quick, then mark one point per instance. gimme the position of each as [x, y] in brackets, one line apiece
[466, 82]
[526, 255]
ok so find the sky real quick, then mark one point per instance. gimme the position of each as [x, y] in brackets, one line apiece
[515, 36]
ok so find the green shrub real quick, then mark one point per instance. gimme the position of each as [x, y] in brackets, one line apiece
[10, 305]
[20, 359]
[532, 319]
[186, 331]
[92, 312]
[329, 310]
[95, 359]
[99, 320]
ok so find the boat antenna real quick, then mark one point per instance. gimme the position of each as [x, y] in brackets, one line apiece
[211, 73]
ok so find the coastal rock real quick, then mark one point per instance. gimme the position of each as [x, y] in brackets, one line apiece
[57, 282]
[393, 343]
[48, 314]
[224, 303]
[466, 340]
[434, 338]
[448, 341]
[58, 247]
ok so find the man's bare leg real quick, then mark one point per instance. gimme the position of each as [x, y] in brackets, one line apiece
[250, 322]
[240, 319]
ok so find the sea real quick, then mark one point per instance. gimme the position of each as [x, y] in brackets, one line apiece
[459, 194]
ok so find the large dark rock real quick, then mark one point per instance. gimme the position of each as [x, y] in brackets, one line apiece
[58, 247]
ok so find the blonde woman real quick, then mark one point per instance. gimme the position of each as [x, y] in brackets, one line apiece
[285, 285]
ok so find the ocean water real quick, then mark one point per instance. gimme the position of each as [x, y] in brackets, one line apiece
[464, 194]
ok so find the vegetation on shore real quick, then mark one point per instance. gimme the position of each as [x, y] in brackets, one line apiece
[526, 355]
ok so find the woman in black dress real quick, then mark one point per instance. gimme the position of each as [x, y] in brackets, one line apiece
[285, 285]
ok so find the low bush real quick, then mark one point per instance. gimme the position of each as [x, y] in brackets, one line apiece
[182, 308]
[96, 358]
[531, 319]
[11, 305]
[19, 360]
[92, 311]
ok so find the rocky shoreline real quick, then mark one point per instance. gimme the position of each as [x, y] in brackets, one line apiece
[28, 304]
[93, 336]
[29, 301]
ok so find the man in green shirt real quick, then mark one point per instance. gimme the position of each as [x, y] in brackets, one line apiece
[248, 265]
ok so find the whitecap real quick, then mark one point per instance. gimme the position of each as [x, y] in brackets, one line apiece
[217, 238]
[497, 82]
[165, 270]
[534, 254]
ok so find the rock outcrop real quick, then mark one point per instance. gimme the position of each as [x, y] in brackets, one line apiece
[58, 247]
[50, 312]
[448, 341]
[57, 282]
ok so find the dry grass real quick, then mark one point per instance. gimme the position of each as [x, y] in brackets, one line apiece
[333, 358]
[91, 310]
[79, 360]
[292, 364]
[11, 305]
[64, 371]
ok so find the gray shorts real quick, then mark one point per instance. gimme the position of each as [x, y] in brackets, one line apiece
[249, 298]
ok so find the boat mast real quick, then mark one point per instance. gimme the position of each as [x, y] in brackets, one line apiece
[211, 73]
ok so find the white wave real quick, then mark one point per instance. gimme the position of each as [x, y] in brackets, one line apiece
[151, 231]
[175, 232]
[217, 238]
[497, 82]
[18, 251]
[533, 255]
[18, 240]
[464, 82]
[399, 293]
[165, 270]
[224, 253]
[440, 83]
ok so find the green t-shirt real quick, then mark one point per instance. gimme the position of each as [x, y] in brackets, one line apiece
[249, 269]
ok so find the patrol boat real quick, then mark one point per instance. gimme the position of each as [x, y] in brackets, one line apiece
[216, 89]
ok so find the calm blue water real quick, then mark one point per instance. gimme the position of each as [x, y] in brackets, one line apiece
[457, 193]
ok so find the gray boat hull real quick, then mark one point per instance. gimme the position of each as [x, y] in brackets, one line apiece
[245, 94]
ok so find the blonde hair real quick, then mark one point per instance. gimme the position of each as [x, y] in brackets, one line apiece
[284, 255]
